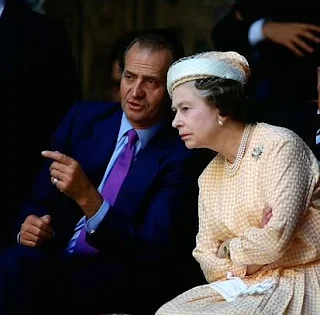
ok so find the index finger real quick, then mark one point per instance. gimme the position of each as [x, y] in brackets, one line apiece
[312, 36]
[57, 156]
[267, 210]
[312, 27]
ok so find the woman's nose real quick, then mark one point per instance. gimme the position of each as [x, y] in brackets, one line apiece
[175, 122]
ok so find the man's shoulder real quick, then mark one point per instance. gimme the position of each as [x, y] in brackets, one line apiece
[86, 114]
[91, 109]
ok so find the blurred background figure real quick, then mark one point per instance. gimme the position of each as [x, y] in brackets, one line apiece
[281, 41]
[318, 144]
[115, 59]
[38, 84]
[317, 151]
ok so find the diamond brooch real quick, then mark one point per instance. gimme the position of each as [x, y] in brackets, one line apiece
[256, 153]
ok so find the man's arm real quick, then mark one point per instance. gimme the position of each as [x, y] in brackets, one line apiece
[299, 38]
[44, 195]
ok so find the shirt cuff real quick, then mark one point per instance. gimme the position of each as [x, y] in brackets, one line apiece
[93, 223]
[255, 34]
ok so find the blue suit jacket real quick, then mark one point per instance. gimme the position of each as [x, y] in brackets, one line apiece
[154, 219]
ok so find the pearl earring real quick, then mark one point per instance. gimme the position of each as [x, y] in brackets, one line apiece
[220, 122]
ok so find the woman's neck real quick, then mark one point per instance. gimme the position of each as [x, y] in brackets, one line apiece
[229, 140]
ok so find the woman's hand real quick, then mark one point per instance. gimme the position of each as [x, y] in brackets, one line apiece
[251, 269]
[267, 214]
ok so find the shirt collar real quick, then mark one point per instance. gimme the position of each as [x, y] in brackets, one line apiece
[2, 3]
[144, 135]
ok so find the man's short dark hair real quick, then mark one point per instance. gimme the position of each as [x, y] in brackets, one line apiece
[155, 40]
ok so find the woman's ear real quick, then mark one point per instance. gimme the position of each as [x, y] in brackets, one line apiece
[220, 121]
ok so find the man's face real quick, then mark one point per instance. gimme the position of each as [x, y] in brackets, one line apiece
[143, 85]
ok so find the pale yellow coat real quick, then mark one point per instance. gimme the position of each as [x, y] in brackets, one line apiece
[277, 170]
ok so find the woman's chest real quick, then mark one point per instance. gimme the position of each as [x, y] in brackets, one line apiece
[234, 204]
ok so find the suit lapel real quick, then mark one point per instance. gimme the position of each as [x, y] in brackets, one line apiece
[98, 146]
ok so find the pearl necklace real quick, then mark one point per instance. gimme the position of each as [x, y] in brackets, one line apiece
[231, 169]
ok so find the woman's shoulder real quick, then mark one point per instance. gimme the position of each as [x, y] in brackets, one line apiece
[274, 139]
[272, 133]
[270, 136]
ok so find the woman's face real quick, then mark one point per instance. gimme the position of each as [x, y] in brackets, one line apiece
[196, 120]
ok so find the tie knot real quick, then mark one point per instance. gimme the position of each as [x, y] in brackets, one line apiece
[132, 137]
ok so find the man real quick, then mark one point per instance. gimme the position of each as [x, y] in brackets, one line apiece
[38, 85]
[281, 40]
[99, 241]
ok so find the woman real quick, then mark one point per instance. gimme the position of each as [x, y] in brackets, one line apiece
[256, 261]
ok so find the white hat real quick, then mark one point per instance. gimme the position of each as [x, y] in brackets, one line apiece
[225, 65]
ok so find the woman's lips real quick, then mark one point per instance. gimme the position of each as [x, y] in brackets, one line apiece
[184, 136]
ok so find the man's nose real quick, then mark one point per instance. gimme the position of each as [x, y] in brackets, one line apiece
[137, 89]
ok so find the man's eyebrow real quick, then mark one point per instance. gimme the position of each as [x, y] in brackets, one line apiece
[145, 77]
[152, 77]
[128, 72]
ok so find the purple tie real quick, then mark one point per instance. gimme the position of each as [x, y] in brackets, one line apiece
[111, 187]
[120, 169]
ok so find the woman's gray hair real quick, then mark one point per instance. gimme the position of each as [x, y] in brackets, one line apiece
[228, 95]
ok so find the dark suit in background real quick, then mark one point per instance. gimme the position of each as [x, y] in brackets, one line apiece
[38, 84]
[283, 84]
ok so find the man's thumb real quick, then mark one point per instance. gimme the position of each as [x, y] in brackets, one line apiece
[46, 219]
